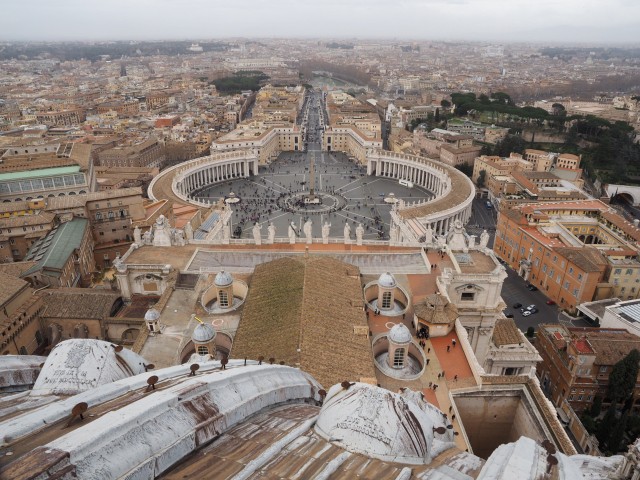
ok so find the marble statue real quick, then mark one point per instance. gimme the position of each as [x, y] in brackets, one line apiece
[271, 230]
[188, 231]
[359, 234]
[394, 234]
[137, 235]
[178, 237]
[484, 239]
[147, 238]
[257, 234]
[457, 237]
[428, 235]
[326, 228]
[292, 233]
[306, 228]
[347, 233]
[161, 232]
[472, 241]
[226, 232]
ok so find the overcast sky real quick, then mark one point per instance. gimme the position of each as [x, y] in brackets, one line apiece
[590, 21]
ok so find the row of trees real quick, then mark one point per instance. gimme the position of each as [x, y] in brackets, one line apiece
[242, 80]
[616, 429]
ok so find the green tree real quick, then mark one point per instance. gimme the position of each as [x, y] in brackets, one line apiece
[589, 423]
[604, 428]
[466, 169]
[437, 115]
[596, 407]
[482, 177]
[531, 332]
[484, 99]
[502, 98]
[622, 379]
[445, 103]
[617, 434]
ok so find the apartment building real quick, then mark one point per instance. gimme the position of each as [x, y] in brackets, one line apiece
[574, 251]
[145, 153]
[576, 363]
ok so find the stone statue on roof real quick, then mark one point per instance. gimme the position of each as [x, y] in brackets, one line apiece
[484, 239]
[428, 235]
[326, 228]
[292, 233]
[271, 231]
[347, 233]
[188, 231]
[137, 235]
[257, 234]
[307, 230]
[161, 232]
[457, 238]
[359, 233]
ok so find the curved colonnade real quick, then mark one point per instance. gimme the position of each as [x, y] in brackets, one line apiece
[454, 191]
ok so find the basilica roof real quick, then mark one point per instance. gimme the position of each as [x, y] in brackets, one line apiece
[307, 312]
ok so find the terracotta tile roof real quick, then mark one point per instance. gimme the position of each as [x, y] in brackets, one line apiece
[610, 345]
[9, 286]
[311, 304]
[81, 303]
[27, 220]
[436, 309]
[587, 259]
[15, 269]
[506, 332]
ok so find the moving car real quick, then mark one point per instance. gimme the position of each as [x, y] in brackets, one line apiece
[517, 305]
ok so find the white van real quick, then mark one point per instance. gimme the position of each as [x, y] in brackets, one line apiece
[406, 183]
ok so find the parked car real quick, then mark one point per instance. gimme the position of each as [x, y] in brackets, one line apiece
[517, 305]
[550, 302]
[532, 288]
[528, 308]
[526, 313]
[508, 315]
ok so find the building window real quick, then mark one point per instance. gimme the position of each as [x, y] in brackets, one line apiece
[398, 358]
[203, 350]
[467, 296]
[386, 300]
[223, 299]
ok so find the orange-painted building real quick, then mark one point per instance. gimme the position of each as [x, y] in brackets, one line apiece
[568, 250]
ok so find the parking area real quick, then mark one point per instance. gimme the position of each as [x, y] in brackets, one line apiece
[515, 291]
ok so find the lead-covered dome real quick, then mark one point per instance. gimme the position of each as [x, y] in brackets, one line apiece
[152, 315]
[381, 424]
[386, 280]
[399, 334]
[223, 279]
[203, 333]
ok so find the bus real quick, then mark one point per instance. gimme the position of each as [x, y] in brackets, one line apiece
[406, 183]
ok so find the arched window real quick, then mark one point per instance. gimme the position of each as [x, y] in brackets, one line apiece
[398, 358]
[223, 298]
[386, 300]
[203, 350]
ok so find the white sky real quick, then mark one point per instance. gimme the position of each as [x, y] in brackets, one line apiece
[586, 21]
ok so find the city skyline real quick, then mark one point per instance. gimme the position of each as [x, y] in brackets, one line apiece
[480, 20]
